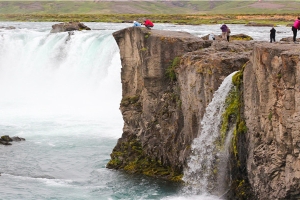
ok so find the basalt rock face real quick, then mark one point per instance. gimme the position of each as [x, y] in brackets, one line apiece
[151, 106]
[168, 78]
[272, 115]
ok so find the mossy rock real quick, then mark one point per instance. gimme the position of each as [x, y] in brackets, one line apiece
[131, 158]
[241, 37]
[6, 138]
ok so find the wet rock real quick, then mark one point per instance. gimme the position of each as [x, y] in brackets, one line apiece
[6, 140]
[8, 27]
[68, 26]
[17, 139]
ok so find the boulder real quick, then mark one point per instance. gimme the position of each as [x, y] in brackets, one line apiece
[68, 26]
[5, 139]
[289, 39]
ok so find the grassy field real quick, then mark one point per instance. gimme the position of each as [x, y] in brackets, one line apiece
[177, 12]
[266, 19]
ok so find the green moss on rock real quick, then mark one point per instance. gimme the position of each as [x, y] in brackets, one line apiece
[170, 71]
[126, 101]
[132, 159]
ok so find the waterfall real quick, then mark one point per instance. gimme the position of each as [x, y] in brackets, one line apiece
[44, 74]
[203, 170]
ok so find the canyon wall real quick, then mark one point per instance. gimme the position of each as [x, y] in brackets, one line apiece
[168, 79]
[272, 114]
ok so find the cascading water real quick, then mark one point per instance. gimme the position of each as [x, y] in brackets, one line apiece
[204, 161]
[45, 74]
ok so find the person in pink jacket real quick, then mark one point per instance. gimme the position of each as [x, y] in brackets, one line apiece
[295, 28]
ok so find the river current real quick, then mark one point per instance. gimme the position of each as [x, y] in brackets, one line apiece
[63, 97]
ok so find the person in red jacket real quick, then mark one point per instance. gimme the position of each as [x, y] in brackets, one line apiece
[295, 28]
[148, 24]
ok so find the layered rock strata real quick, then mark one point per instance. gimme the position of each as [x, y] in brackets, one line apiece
[272, 115]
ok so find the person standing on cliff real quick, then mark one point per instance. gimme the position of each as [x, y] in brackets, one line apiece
[295, 28]
[148, 24]
[272, 34]
[224, 31]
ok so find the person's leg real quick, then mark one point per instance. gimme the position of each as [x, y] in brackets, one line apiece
[270, 38]
[223, 35]
[294, 34]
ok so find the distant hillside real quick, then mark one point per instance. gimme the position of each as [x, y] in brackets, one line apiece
[149, 7]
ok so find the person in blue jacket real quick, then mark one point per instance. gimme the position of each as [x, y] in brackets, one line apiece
[135, 23]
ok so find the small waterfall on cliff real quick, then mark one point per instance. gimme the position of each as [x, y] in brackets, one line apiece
[207, 164]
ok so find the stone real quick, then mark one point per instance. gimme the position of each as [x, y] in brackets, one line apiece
[68, 26]
[6, 140]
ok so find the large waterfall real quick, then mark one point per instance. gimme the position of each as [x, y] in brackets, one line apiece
[206, 168]
[50, 74]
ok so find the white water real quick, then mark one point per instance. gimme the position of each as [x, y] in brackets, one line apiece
[63, 97]
[201, 163]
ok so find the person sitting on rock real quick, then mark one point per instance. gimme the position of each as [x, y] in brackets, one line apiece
[272, 34]
[148, 24]
[136, 24]
[211, 37]
[295, 28]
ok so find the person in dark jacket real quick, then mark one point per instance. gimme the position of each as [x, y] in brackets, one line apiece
[148, 24]
[295, 28]
[224, 31]
[272, 34]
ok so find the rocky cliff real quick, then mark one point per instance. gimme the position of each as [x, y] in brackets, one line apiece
[168, 79]
[271, 109]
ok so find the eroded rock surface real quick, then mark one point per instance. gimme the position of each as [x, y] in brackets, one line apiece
[272, 113]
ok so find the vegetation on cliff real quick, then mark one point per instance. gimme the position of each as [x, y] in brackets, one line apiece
[232, 115]
[139, 163]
